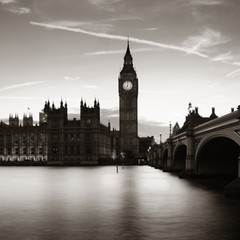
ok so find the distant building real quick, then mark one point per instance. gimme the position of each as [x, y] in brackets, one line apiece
[145, 143]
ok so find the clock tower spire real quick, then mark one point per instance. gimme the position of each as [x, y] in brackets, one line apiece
[128, 101]
[128, 57]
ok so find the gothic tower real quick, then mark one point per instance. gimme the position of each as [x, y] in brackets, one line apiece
[128, 102]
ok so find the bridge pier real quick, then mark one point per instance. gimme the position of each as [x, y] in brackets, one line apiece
[170, 164]
[233, 188]
[159, 164]
[189, 171]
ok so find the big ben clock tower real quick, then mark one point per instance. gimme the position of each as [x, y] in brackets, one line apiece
[128, 102]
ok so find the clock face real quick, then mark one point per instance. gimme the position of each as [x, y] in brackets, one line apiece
[127, 85]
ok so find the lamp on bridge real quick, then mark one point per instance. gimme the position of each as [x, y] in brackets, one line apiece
[170, 129]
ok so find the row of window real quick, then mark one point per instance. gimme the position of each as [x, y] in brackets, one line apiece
[71, 150]
[17, 138]
[24, 151]
[70, 138]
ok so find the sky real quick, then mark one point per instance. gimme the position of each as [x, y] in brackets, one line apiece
[183, 51]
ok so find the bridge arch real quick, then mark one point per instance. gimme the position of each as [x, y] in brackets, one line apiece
[179, 156]
[218, 155]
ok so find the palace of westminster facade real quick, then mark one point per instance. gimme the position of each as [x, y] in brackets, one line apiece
[58, 140]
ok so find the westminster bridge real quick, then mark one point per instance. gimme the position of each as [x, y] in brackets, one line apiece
[202, 147]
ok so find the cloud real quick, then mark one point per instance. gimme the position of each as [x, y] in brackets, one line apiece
[206, 2]
[152, 29]
[107, 52]
[20, 98]
[233, 74]
[227, 58]
[104, 25]
[121, 19]
[5, 2]
[105, 4]
[157, 92]
[19, 10]
[71, 78]
[92, 87]
[14, 86]
[89, 26]
[223, 57]
[119, 37]
[100, 2]
[201, 43]
[104, 52]
[11, 6]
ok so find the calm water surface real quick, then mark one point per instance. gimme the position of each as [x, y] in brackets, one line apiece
[139, 202]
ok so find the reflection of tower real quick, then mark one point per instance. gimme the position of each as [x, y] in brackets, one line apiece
[128, 96]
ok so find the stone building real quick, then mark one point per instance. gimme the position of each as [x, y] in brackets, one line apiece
[23, 142]
[58, 140]
[77, 142]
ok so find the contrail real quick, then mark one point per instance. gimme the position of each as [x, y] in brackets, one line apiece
[233, 74]
[119, 37]
[20, 85]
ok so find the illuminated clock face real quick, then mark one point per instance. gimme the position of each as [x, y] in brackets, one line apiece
[127, 85]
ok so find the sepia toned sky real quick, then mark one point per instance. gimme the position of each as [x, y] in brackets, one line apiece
[183, 51]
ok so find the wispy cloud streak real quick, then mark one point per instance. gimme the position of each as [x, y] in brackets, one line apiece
[92, 87]
[233, 73]
[19, 11]
[206, 2]
[20, 98]
[157, 92]
[14, 86]
[200, 43]
[104, 52]
[11, 6]
[6, 1]
[223, 57]
[119, 37]
[152, 29]
[107, 52]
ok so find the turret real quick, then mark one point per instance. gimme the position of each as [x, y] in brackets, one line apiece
[88, 112]
[61, 104]
[54, 113]
[13, 121]
[213, 115]
[27, 120]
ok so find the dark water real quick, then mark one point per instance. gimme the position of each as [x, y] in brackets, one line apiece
[98, 203]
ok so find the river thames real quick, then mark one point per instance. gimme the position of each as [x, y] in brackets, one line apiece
[138, 202]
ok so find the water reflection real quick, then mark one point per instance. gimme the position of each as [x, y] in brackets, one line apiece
[98, 203]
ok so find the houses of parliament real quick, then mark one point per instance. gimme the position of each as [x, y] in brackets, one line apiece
[56, 140]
